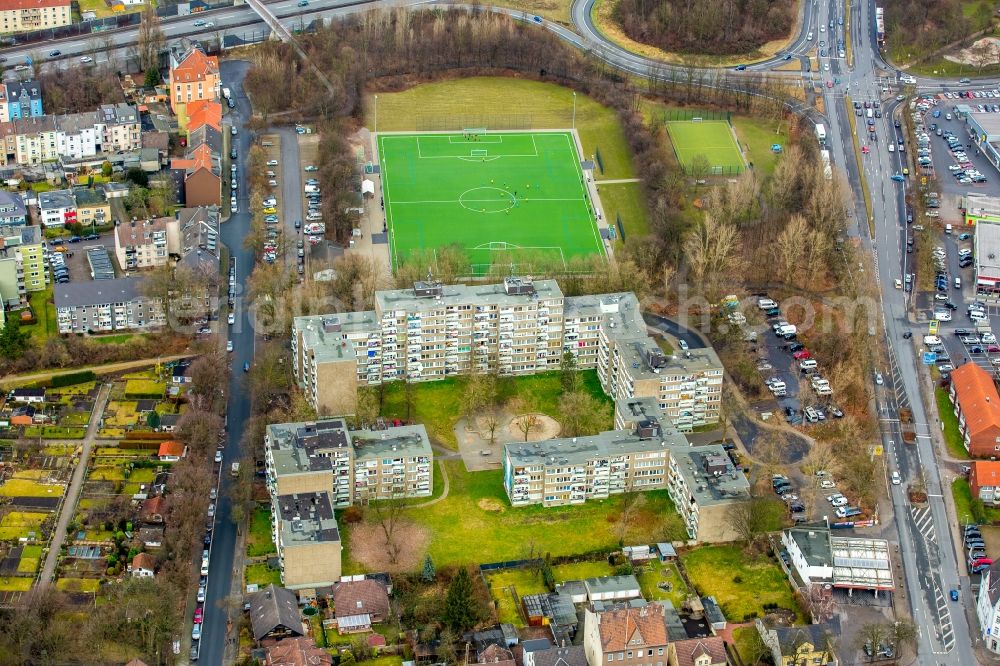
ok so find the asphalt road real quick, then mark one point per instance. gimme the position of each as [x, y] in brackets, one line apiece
[220, 573]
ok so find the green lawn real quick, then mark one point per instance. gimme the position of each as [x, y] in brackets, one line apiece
[31, 556]
[113, 339]
[962, 495]
[516, 194]
[437, 405]
[744, 638]
[78, 584]
[470, 102]
[15, 583]
[259, 540]
[476, 524]
[17, 524]
[75, 419]
[44, 310]
[656, 572]
[54, 432]
[952, 436]
[757, 135]
[30, 488]
[628, 201]
[712, 139]
[262, 575]
[740, 584]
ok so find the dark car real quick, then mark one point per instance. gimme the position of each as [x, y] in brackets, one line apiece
[74, 239]
[55, 54]
[962, 331]
[91, 237]
[232, 154]
[796, 346]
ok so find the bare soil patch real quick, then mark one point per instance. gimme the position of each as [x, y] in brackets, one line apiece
[487, 504]
[368, 546]
[982, 53]
[545, 427]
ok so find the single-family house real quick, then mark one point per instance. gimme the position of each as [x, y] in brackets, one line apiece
[171, 451]
[274, 614]
[570, 655]
[154, 510]
[27, 395]
[12, 210]
[300, 651]
[809, 644]
[628, 636]
[984, 481]
[494, 654]
[168, 422]
[22, 415]
[143, 566]
[57, 208]
[358, 604]
[151, 537]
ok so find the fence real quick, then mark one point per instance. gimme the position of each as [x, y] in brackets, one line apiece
[491, 122]
[692, 114]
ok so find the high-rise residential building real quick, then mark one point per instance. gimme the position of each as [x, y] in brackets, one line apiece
[518, 327]
[307, 539]
[351, 465]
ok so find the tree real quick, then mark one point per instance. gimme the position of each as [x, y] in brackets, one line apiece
[460, 605]
[347, 658]
[631, 502]
[13, 341]
[581, 414]
[153, 77]
[389, 513]
[480, 392]
[106, 169]
[491, 422]
[871, 637]
[526, 423]
[752, 646]
[751, 519]
[569, 373]
[153, 419]
[429, 573]
[137, 176]
[150, 41]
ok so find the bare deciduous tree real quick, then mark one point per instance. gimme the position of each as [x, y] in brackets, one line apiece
[150, 39]
[389, 513]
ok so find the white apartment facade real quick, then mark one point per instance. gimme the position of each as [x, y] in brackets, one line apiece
[27, 15]
[105, 305]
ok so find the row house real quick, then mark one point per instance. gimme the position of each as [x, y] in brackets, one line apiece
[28, 15]
[105, 305]
[977, 407]
[202, 170]
[113, 128]
[20, 99]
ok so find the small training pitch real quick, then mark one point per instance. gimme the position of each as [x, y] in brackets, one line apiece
[498, 195]
[712, 138]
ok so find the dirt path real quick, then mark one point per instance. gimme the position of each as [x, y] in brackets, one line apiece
[76, 484]
[8, 382]
[447, 485]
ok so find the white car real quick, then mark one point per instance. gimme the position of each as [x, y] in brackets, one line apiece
[895, 479]
[233, 130]
[840, 501]
[211, 510]
[878, 378]
[213, 493]
[201, 594]
[232, 318]
[942, 315]
[86, 60]
[229, 345]
[272, 163]
[270, 201]
[827, 483]
[196, 632]
[218, 456]
[988, 338]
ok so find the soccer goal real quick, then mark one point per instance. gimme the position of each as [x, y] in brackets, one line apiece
[477, 131]
[480, 152]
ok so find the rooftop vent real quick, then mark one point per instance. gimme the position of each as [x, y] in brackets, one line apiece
[515, 286]
[427, 289]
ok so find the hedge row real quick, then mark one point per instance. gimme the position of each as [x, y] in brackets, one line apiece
[134, 445]
[71, 378]
[149, 435]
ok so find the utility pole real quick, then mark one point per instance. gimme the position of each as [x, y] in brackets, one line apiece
[574, 108]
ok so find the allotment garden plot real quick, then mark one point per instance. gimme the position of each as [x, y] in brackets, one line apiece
[494, 194]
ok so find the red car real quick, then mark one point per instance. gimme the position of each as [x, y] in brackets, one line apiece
[198, 615]
[982, 561]
[993, 349]
[801, 355]
[864, 149]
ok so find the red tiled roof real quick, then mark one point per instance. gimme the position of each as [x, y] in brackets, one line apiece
[195, 67]
[984, 473]
[627, 627]
[361, 597]
[198, 158]
[143, 561]
[171, 448]
[977, 397]
[14, 5]
[689, 651]
[204, 112]
[300, 651]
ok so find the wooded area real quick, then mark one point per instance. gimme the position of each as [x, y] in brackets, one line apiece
[918, 27]
[706, 27]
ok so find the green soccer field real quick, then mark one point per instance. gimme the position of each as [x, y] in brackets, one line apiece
[510, 193]
[711, 138]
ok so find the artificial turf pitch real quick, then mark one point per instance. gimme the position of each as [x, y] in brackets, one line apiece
[518, 192]
[711, 138]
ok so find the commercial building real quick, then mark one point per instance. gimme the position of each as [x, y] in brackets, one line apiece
[193, 76]
[986, 249]
[353, 466]
[847, 563]
[518, 327]
[984, 481]
[28, 15]
[307, 539]
[105, 305]
[977, 407]
[142, 244]
[985, 131]
[980, 208]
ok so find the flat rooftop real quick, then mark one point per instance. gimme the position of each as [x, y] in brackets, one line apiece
[306, 518]
[989, 122]
[578, 450]
[305, 447]
[710, 475]
[399, 441]
[987, 250]
[438, 295]
[814, 544]
[324, 335]
[861, 563]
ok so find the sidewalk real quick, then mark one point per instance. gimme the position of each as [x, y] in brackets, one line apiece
[68, 508]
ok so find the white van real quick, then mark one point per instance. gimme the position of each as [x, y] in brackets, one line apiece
[958, 283]
[947, 228]
[787, 329]
[932, 340]
[892, 148]
[869, 113]
[766, 304]
[808, 364]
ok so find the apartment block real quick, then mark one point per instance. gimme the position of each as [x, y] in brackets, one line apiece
[193, 77]
[142, 244]
[22, 265]
[194, 237]
[12, 210]
[573, 470]
[91, 207]
[704, 484]
[352, 466]
[307, 539]
[57, 208]
[28, 15]
[23, 99]
[518, 327]
[105, 305]
[32, 138]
